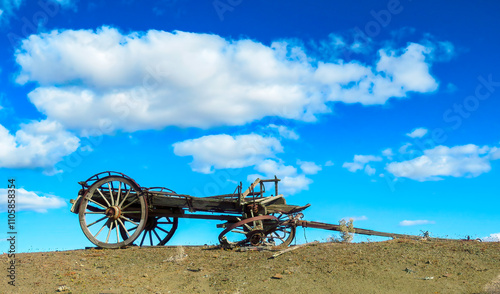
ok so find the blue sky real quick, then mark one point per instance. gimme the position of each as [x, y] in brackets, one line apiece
[381, 111]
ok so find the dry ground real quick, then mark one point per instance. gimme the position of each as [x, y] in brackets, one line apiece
[396, 266]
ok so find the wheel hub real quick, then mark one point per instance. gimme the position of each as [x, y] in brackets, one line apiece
[113, 212]
[151, 224]
[256, 237]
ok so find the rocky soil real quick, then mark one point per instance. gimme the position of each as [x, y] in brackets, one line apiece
[396, 266]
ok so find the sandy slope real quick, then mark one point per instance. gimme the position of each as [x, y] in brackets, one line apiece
[397, 266]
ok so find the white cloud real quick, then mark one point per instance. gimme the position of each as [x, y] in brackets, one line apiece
[353, 166]
[459, 161]
[366, 158]
[418, 133]
[416, 222]
[492, 238]
[355, 218]
[387, 152]
[360, 162]
[291, 181]
[329, 163]
[495, 153]
[370, 170]
[271, 168]
[155, 79]
[309, 167]
[39, 144]
[225, 151]
[285, 132]
[27, 200]
[396, 73]
[294, 184]
[404, 149]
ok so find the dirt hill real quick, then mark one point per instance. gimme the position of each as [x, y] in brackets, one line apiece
[396, 266]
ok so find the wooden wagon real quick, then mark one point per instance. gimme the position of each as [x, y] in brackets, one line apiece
[115, 211]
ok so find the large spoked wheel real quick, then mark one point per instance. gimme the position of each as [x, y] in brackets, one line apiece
[250, 231]
[113, 213]
[157, 232]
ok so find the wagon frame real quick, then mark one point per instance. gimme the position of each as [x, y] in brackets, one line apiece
[114, 211]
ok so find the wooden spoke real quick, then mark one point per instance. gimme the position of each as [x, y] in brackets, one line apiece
[109, 232]
[137, 199]
[142, 240]
[124, 228]
[119, 192]
[111, 194]
[125, 198]
[162, 228]
[100, 229]
[97, 203]
[129, 220]
[102, 195]
[156, 234]
[96, 221]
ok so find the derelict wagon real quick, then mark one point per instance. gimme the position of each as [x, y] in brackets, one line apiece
[114, 211]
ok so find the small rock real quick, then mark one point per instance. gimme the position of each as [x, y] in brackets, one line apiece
[62, 288]
[428, 278]
[447, 275]
[145, 275]
[277, 276]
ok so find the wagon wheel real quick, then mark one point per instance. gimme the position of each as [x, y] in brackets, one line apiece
[157, 232]
[281, 235]
[113, 212]
[250, 231]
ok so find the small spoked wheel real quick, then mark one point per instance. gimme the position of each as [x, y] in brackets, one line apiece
[113, 212]
[281, 235]
[250, 231]
[157, 232]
